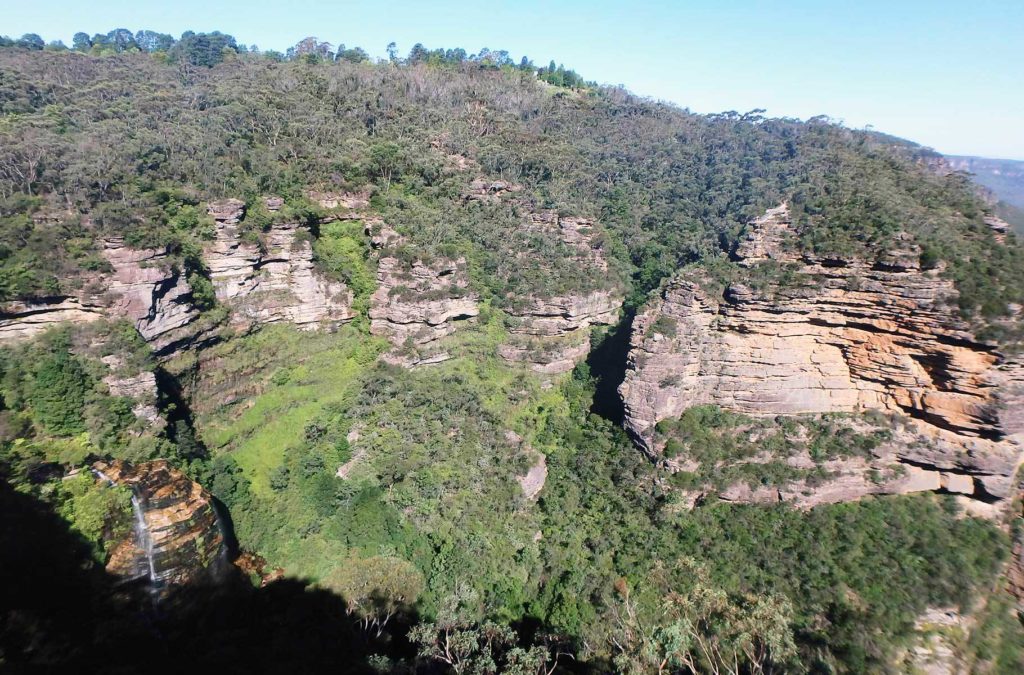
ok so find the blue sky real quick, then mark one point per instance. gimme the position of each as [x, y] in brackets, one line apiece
[945, 73]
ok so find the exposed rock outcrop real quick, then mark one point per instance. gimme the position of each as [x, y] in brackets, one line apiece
[847, 336]
[275, 282]
[766, 238]
[999, 227]
[147, 289]
[417, 304]
[941, 636]
[531, 482]
[889, 469]
[144, 287]
[551, 334]
[24, 320]
[341, 204]
[490, 191]
[177, 538]
[140, 386]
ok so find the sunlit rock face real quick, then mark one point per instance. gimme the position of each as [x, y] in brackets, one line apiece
[552, 334]
[177, 538]
[840, 336]
[23, 320]
[144, 286]
[417, 302]
[140, 386]
[273, 280]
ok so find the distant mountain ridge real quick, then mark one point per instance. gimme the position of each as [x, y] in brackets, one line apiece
[1004, 177]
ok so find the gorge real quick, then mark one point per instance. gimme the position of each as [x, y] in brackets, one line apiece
[464, 351]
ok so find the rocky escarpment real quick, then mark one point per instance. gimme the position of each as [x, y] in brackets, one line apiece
[846, 336]
[145, 287]
[23, 320]
[551, 334]
[532, 481]
[140, 386]
[177, 538]
[1000, 228]
[417, 303]
[274, 280]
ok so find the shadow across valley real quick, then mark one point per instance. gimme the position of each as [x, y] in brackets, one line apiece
[61, 612]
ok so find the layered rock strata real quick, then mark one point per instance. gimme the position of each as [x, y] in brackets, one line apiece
[551, 334]
[139, 386]
[144, 287]
[416, 303]
[264, 281]
[23, 320]
[891, 468]
[848, 336]
[273, 283]
[341, 204]
[147, 289]
[177, 538]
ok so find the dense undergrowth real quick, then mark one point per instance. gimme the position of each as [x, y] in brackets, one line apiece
[430, 480]
[366, 478]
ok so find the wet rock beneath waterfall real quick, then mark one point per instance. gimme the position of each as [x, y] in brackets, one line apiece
[177, 537]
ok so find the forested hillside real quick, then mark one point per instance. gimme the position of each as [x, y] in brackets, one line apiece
[380, 312]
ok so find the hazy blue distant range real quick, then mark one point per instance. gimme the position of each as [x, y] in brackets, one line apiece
[1004, 177]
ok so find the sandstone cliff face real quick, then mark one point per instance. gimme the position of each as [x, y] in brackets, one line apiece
[416, 303]
[341, 204]
[140, 386]
[275, 284]
[177, 538]
[24, 320]
[999, 227]
[849, 336]
[150, 292]
[551, 334]
[144, 287]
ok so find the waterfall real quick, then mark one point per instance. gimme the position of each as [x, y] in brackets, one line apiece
[174, 536]
[145, 540]
[141, 529]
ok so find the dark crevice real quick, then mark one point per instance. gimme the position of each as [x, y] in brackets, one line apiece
[227, 529]
[607, 363]
[263, 262]
[937, 365]
[992, 433]
[162, 288]
[45, 306]
[948, 340]
[176, 410]
[980, 493]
